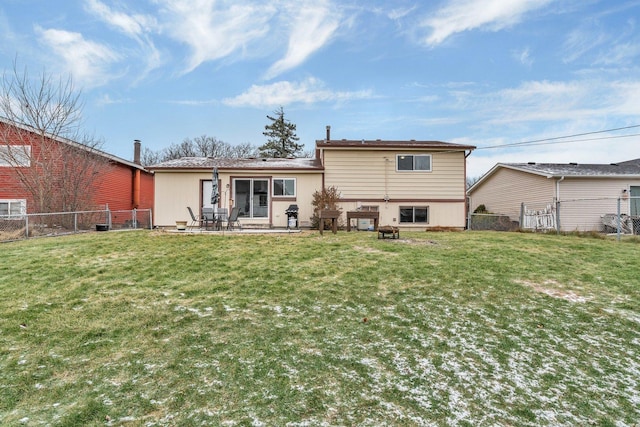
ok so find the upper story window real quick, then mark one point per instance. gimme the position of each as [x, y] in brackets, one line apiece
[284, 187]
[15, 155]
[413, 162]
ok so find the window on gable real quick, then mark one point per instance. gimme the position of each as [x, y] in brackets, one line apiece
[412, 162]
[414, 214]
[284, 187]
[15, 155]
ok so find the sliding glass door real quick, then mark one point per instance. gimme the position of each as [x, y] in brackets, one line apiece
[251, 196]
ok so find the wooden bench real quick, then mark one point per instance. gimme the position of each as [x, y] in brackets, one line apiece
[393, 232]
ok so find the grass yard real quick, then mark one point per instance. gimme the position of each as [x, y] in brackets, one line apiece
[458, 329]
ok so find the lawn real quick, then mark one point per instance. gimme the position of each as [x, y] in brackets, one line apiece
[147, 328]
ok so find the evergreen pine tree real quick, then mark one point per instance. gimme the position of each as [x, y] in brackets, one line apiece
[281, 137]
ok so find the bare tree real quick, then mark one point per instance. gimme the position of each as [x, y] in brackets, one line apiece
[201, 146]
[41, 140]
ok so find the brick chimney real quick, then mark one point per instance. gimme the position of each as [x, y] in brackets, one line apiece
[136, 151]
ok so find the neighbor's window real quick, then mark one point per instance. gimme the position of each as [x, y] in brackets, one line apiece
[411, 162]
[414, 214]
[10, 209]
[15, 155]
[284, 187]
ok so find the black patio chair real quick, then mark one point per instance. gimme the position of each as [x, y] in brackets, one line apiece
[195, 220]
[233, 219]
[208, 217]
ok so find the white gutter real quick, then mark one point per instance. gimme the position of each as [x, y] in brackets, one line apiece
[558, 187]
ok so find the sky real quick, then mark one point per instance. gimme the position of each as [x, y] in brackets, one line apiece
[551, 81]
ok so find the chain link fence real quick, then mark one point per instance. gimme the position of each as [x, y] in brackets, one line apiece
[620, 215]
[17, 227]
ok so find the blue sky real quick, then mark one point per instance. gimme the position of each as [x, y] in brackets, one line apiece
[487, 72]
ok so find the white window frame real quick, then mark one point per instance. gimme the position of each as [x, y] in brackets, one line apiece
[295, 185]
[22, 208]
[413, 215]
[413, 163]
[262, 200]
[20, 156]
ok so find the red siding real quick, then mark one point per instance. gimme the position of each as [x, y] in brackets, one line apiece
[115, 188]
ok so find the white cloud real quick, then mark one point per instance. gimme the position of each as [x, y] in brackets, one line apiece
[582, 40]
[309, 91]
[215, 29]
[620, 54]
[87, 61]
[465, 15]
[523, 57]
[133, 25]
[312, 28]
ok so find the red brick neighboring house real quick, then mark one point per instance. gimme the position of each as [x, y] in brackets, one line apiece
[123, 185]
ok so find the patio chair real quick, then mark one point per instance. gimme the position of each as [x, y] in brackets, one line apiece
[222, 216]
[208, 217]
[195, 220]
[233, 219]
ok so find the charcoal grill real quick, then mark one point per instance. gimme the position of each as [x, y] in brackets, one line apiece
[292, 216]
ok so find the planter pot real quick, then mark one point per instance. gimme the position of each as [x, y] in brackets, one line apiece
[181, 225]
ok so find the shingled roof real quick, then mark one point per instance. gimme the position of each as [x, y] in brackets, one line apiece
[208, 163]
[623, 169]
[626, 169]
[386, 144]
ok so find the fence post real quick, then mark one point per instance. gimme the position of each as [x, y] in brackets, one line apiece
[522, 215]
[26, 226]
[75, 222]
[618, 223]
[557, 216]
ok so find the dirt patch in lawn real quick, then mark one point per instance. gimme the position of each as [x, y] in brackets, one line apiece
[553, 289]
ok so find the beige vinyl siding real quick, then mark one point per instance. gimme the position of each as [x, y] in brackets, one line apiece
[175, 190]
[585, 200]
[372, 175]
[306, 185]
[505, 191]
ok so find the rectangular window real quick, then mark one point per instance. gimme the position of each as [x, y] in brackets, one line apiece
[15, 155]
[284, 187]
[411, 162]
[414, 214]
[13, 209]
[252, 197]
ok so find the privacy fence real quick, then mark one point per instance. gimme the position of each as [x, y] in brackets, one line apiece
[603, 215]
[17, 227]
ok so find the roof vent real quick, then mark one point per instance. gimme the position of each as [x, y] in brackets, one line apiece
[614, 164]
[531, 163]
[573, 164]
[264, 160]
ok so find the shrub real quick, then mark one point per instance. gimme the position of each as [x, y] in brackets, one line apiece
[327, 198]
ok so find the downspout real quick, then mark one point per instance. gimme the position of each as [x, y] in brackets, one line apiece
[136, 189]
[558, 181]
[558, 225]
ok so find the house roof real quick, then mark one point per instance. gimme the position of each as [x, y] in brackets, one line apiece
[74, 144]
[385, 144]
[627, 169]
[208, 163]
